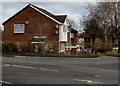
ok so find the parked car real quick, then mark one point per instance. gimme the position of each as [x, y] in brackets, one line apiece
[115, 49]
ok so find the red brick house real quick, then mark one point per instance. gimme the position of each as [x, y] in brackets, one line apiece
[83, 38]
[36, 25]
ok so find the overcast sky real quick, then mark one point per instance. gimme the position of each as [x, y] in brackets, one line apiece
[74, 10]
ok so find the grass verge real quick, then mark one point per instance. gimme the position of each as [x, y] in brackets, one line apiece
[113, 54]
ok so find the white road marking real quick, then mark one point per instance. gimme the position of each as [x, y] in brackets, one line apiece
[89, 58]
[34, 68]
[6, 82]
[97, 76]
[24, 66]
[20, 56]
[49, 69]
[88, 81]
[6, 65]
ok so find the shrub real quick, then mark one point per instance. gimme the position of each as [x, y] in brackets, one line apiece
[48, 48]
[16, 47]
[87, 45]
[103, 47]
[41, 47]
[24, 47]
[9, 47]
[56, 47]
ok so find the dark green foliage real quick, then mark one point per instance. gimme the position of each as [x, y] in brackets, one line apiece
[92, 28]
[9, 47]
[18, 48]
[25, 47]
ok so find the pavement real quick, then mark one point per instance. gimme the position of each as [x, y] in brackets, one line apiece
[102, 70]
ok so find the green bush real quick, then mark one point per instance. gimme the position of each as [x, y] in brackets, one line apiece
[16, 47]
[111, 53]
[9, 47]
[42, 47]
[56, 47]
[53, 47]
[24, 47]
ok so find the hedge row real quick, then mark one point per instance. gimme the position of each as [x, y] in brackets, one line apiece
[13, 47]
[22, 47]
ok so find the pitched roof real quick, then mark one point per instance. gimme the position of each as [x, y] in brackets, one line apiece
[72, 29]
[58, 19]
[61, 18]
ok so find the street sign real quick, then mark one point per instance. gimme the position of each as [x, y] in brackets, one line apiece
[70, 46]
[78, 48]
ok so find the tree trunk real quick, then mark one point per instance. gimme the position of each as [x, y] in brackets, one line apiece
[93, 43]
[113, 40]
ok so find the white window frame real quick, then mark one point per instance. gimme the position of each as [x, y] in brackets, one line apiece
[19, 28]
[71, 35]
[65, 29]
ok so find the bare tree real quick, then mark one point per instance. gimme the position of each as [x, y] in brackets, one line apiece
[81, 25]
[92, 28]
[105, 13]
[109, 20]
[71, 23]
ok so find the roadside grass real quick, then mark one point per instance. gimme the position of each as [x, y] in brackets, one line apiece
[112, 53]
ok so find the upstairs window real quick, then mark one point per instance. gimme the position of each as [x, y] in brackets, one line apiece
[19, 28]
[65, 28]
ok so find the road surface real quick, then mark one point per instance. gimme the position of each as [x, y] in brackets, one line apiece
[60, 70]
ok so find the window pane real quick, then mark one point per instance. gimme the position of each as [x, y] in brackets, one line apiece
[19, 28]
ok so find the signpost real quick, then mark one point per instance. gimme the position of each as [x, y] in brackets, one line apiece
[78, 48]
[70, 46]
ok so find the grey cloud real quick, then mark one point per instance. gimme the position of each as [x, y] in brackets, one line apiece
[56, 7]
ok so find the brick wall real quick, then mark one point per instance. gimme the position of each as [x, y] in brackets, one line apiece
[38, 24]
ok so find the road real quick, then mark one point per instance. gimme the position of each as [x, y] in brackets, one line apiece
[60, 70]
